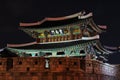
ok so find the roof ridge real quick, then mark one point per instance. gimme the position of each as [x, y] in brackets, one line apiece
[80, 15]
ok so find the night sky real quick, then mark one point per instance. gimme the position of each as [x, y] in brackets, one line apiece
[14, 11]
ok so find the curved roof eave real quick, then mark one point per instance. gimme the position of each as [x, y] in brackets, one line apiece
[21, 45]
[102, 26]
[113, 49]
[79, 15]
[32, 43]
[95, 27]
[2, 49]
[100, 47]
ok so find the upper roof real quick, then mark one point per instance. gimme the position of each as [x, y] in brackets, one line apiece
[73, 17]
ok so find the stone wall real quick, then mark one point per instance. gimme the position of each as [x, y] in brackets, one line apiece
[40, 68]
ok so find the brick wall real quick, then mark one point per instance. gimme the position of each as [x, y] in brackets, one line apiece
[39, 68]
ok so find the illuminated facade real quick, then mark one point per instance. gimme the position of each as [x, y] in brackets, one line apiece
[65, 48]
[74, 36]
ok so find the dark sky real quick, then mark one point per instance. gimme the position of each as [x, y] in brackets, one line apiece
[14, 11]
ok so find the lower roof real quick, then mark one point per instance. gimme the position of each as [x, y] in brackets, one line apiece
[55, 45]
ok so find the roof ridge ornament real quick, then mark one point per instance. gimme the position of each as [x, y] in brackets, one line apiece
[82, 13]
